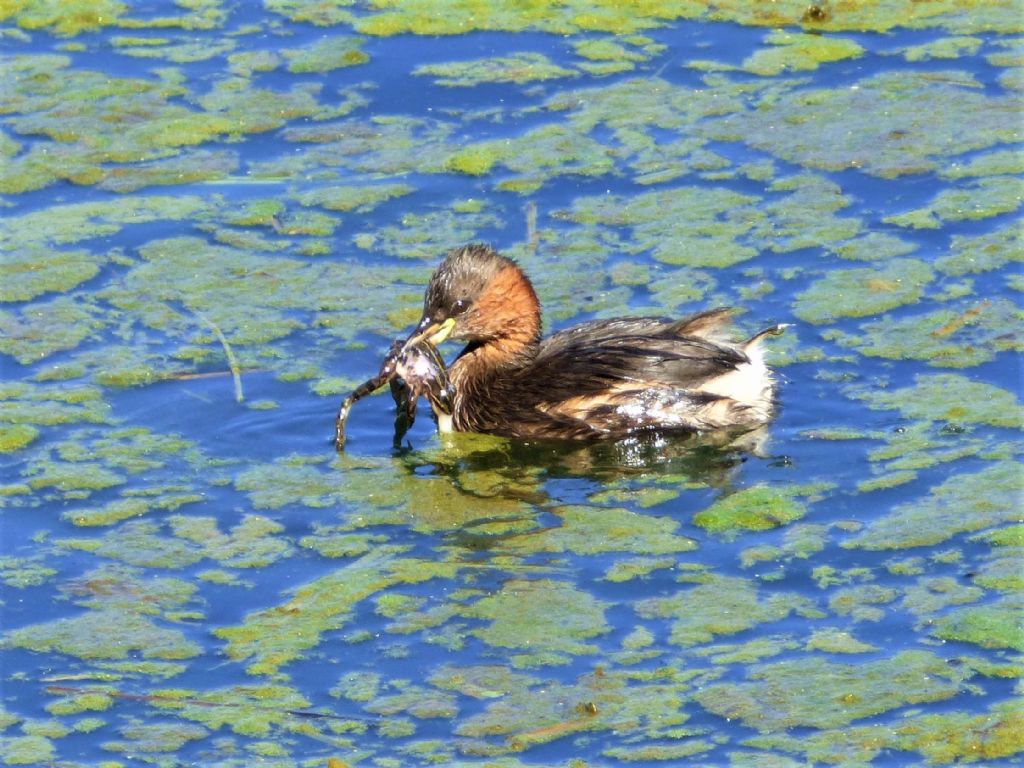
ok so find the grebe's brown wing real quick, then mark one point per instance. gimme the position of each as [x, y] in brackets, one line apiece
[711, 325]
[591, 358]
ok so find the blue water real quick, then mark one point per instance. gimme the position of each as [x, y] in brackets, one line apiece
[495, 510]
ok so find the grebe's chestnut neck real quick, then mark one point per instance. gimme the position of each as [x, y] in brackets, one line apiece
[483, 298]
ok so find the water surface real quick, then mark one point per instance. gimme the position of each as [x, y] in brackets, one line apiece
[216, 218]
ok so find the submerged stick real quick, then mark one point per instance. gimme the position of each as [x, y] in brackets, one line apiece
[532, 235]
[960, 321]
[236, 372]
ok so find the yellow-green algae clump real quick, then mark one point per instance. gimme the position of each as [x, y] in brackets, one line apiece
[274, 637]
[722, 606]
[518, 68]
[860, 292]
[758, 508]
[819, 693]
[966, 501]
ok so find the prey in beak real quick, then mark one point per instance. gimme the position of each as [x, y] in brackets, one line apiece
[430, 332]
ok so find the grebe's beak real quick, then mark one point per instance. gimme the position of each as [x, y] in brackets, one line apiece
[434, 334]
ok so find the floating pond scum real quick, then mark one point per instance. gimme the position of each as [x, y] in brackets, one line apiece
[217, 216]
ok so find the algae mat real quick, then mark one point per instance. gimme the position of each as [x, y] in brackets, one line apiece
[215, 218]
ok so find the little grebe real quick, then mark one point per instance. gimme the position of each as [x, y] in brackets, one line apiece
[602, 379]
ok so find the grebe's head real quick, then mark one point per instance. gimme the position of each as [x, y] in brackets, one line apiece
[478, 295]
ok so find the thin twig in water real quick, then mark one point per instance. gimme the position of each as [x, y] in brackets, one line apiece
[957, 323]
[532, 236]
[236, 373]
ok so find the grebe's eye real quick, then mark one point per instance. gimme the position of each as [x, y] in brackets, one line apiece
[460, 306]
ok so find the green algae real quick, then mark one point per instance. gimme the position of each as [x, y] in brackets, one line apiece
[930, 596]
[799, 52]
[427, 236]
[354, 198]
[253, 543]
[134, 450]
[860, 602]
[72, 479]
[1010, 536]
[634, 568]
[187, 168]
[888, 480]
[35, 271]
[26, 403]
[16, 436]
[121, 588]
[346, 303]
[608, 50]
[746, 653]
[878, 127]
[864, 291]
[922, 445]
[41, 329]
[148, 738]
[76, 222]
[722, 606]
[539, 714]
[274, 637]
[23, 572]
[758, 508]
[155, 288]
[417, 701]
[1001, 570]
[139, 543]
[286, 481]
[327, 541]
[436, 18]
[26, 750]
[959, 336]
[326, 55]
[244, 109]
[982, 253]
[245, 63]
[546, 620]
[996, 625]
[680, 751]
[248, 710]
[693, 226]
[87, 636]
[97, 699]
[837, 641]
[64, 20]
[943, 48]
[819, 693]
[967, 501]
[799, 541]
[482, 681]
[950, 398]
[942, 738]
[994, 163]
[592, 530]
[123, 509]
[981, 199]
[539, 154]
[182, 50]
[874, 246]
[518, 68]
[806, 217]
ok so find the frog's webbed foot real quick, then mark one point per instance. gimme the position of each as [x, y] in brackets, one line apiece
[405, 408]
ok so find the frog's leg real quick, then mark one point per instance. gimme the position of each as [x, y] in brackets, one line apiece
[387, 374]
[405, 408]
